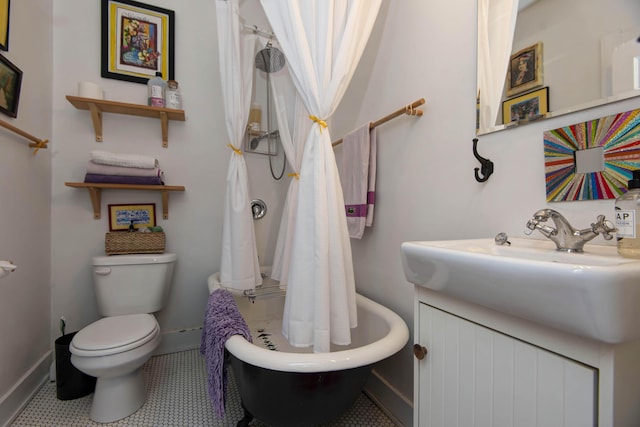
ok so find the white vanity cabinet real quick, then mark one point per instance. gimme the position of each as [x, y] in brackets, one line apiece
[487, 369]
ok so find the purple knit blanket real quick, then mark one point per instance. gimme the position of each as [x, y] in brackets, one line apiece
[222, 320]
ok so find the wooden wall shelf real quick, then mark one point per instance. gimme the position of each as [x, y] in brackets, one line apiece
[95, 191]
[98, 106]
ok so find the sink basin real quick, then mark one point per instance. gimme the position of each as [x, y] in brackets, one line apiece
[595, 294]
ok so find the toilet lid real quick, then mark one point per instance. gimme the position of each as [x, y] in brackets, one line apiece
[115, 334]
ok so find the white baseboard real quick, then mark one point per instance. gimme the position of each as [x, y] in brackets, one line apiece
[14, 401]
[179, 340]
[395, 405]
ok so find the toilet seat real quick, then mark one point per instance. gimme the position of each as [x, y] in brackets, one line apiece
[112, 335]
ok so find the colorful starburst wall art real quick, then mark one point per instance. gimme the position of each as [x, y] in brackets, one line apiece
[592, 160]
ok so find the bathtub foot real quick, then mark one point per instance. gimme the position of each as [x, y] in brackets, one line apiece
[246, 420]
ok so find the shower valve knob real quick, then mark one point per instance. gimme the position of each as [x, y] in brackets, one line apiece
[419, 351]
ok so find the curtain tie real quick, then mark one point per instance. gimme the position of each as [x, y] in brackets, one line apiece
[320, 122]
[235, 150]
[294, 175]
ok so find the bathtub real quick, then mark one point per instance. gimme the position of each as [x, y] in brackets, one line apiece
[283, 385]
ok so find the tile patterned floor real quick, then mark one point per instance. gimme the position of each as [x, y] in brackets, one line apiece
[177, 397]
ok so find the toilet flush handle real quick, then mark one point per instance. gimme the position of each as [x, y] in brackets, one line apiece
[102, 271]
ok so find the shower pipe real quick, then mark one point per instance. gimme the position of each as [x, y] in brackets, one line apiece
[408, 110]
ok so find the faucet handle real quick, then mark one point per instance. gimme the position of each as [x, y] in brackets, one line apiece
[604, 227]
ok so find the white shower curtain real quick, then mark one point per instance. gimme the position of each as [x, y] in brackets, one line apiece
[496, 25]
[293, 145]
[239, 266]
[323, 41]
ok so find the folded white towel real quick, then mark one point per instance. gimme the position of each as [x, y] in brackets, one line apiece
[100, 169]
[357, 177]
[125, 160]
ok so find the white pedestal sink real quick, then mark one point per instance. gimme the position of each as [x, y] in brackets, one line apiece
[595, 294]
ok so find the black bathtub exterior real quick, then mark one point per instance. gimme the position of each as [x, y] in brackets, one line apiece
[283, 399]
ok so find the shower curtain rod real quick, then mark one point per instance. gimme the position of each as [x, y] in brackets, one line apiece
[409, 110]
[257, 30]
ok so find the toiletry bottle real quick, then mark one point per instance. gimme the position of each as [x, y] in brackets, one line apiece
[156, 88]
[255, 119]
[172, 96]
[627, 218]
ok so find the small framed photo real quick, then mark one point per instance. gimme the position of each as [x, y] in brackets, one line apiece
[525, 70]
[4, 24]
[10, 83]
[137, 41]
[121, 217]
[530, 106]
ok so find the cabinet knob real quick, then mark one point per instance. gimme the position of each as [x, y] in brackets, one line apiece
[419, 351]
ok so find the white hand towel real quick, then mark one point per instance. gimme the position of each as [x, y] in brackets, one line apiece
[357, 177]
[125, 160]
[371, 191]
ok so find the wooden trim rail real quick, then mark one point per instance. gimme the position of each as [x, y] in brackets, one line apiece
[37, 142]
[409, 110]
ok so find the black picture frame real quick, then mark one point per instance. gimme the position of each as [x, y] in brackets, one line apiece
[5, 6]
[10, 84]
[530, 106]
[136, 41]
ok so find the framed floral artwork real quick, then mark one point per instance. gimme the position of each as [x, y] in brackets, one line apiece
[121, 217]
[4, 24]
[137, 41]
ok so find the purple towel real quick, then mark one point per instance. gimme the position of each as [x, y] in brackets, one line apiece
[222, 320]
[120, 179]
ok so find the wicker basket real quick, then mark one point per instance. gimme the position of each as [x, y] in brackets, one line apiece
[123, 242]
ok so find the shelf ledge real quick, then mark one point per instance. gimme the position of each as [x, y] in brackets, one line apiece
[95, 193]
[98, 106]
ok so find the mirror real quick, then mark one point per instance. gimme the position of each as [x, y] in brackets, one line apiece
[592, 160]
[590, 55]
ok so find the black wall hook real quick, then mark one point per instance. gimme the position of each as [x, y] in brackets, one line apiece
[486, 165]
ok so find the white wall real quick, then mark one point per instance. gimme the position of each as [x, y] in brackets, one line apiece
[25, 209]
[197, 157]
[426, 189]
[426, 185]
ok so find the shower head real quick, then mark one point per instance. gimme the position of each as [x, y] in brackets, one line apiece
[270, 59]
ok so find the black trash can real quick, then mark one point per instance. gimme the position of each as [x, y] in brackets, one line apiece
[70, 382]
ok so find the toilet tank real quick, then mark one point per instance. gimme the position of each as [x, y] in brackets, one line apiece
[132, 284]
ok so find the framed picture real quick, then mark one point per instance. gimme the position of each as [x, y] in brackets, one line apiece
[137, 41]
[529, 106]
[525, 70]
[121, 217]
[4, 24]
[592, 160]
[10, 82]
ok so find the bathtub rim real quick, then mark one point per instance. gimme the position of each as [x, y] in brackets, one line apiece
[391, 343]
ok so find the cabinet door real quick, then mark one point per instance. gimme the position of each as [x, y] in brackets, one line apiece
[475, 376]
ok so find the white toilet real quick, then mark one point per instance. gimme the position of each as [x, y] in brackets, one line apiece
[113, 349]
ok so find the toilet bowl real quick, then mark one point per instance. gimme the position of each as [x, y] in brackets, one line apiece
[114, 348]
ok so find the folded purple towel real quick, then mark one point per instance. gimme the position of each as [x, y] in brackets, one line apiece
[120, 179]
[222, 320]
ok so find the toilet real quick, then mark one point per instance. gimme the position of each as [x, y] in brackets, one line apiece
[113, 349]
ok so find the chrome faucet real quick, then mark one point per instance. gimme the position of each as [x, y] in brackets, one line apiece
[567, 238]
